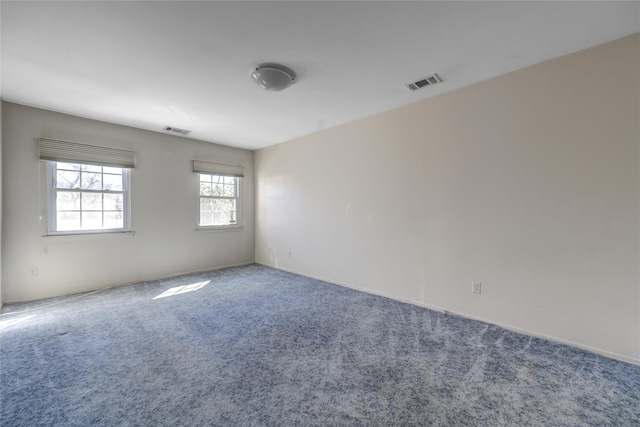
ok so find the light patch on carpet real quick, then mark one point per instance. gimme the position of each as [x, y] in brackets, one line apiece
[183, 289]
[10, 322]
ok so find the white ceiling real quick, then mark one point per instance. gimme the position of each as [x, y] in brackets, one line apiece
[187, 64]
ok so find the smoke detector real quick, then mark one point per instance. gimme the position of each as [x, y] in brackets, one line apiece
[424, 82]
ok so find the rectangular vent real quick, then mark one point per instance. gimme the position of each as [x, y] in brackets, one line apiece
[427, 81]
[177, 130]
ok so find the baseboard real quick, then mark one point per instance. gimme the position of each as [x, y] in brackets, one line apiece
[115, 285]
[605, 353]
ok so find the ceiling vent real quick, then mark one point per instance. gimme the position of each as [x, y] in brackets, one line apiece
[177, 130]
[427, 81]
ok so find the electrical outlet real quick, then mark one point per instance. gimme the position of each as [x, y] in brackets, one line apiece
[32, 271]
[476, 287]
[289, 254]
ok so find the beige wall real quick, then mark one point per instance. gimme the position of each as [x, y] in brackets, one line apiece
[528, 182]
[164, 210]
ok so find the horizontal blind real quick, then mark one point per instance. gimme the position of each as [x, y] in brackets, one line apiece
[200, 166]
[73, 152]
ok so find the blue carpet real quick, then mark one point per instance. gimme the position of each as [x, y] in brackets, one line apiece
[254, 346]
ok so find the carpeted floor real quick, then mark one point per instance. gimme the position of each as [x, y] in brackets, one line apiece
[254, 346]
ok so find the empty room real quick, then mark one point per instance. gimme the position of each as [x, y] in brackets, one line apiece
[320, 213]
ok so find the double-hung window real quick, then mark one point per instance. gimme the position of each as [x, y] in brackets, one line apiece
[88, 198]
[218, 195]
[88, 187]
[218, 200]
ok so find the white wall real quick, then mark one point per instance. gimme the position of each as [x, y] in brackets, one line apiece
[164, 210]
[528, 182]
[1, 224]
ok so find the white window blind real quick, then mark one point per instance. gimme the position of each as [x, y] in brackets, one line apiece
[73, 152]
[200, 166]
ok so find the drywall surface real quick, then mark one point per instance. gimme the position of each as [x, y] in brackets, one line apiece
[1, 131]
[528, 183]
[164, 210]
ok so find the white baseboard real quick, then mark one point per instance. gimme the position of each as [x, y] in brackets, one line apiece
[609, 354]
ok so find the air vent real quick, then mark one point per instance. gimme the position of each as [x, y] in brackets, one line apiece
[177, 130]
[427, 81]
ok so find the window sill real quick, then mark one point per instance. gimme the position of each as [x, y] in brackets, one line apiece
[220, 228]
[90, 236]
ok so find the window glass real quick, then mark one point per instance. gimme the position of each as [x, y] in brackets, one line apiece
[87, 198]
[219, 201]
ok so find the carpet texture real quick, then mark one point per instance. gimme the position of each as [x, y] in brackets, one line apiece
[254, 346]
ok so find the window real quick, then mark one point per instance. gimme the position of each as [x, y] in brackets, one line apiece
[87, 198]
[219, 200]
[219, 203]
[88, 188]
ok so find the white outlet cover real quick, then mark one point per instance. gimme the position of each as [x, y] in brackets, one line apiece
[476, 287]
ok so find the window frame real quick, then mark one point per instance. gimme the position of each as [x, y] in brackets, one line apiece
[52, 189]
[237, 198]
